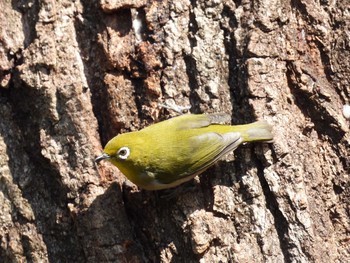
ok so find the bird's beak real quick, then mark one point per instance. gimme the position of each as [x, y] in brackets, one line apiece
[102, 157]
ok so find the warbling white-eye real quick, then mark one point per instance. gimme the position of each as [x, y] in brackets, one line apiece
[174, 151]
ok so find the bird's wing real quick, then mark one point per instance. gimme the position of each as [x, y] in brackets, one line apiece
[201, 152]
[210, 147]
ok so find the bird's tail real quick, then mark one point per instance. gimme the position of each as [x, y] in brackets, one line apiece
[256, 131]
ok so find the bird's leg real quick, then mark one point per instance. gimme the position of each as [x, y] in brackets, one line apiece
[174, 107]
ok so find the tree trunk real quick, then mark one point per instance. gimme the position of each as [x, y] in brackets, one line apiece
[74, 74]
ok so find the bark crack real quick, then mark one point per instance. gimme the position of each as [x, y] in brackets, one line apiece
[281, 223]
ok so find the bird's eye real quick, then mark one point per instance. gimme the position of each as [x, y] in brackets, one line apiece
[123, 153]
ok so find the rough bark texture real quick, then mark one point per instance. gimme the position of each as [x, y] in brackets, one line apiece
[73, 74]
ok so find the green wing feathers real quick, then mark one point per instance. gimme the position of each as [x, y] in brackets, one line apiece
[203, 150]
[211, 146]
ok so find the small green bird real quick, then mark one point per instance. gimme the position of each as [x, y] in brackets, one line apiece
[174, 151]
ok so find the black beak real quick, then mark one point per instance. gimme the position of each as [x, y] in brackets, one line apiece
[102, 157]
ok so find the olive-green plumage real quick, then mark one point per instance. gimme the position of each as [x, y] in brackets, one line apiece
[171, 152]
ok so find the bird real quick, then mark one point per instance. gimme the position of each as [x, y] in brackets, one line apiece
[171, 152]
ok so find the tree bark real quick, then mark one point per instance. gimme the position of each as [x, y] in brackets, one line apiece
[73, 74]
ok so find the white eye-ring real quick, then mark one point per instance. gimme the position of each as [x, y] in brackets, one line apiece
[123, 153]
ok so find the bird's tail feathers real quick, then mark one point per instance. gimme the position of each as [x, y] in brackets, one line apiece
[256, 131]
